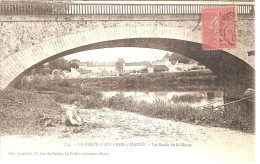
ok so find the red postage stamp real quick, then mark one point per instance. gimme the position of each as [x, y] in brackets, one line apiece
[219, 28]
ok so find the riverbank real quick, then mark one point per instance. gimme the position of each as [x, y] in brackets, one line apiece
[27, 112]
[233, 117]
[106, 125]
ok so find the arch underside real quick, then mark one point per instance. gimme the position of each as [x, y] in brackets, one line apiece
[236, 74]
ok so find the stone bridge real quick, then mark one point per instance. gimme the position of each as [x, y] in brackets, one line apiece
[34, 33]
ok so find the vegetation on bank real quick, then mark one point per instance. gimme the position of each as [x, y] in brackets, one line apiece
[233, 117]
[236, 116]
[176, 81]
[23, 112]
[27, 112]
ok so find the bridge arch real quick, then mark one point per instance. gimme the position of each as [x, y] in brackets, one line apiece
[231, 65]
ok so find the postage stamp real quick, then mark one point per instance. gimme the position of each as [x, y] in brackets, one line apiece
[219, 28]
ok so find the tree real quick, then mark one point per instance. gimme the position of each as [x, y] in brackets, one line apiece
[182, 59]
[120, 65]
[73, 65]
[42, 70]
[59, 63]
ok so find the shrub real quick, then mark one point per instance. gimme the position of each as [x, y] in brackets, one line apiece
[238, 118]
[120, 102]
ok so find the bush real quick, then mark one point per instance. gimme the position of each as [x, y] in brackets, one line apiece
[120, 102]
[238, 118]
[39, 83]
[93, 101]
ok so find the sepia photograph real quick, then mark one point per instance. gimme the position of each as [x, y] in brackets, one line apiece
[101, 81]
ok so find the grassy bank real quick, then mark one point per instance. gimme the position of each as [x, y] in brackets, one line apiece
[233, 117]
[26, 112]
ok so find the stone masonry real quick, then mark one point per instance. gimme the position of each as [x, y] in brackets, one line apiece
[26, 41]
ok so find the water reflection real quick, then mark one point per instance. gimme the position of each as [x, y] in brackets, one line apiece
[194, 98]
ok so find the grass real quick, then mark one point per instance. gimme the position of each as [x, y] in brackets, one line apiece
[26, 112]
[233, 117]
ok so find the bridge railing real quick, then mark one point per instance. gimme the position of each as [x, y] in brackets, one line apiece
[41, 8]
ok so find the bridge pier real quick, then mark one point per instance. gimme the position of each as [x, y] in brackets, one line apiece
[236, 77]
[236, 85]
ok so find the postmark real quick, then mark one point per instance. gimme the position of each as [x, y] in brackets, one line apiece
[219, 28]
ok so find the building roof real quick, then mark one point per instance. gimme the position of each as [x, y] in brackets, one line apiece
[120, 60]
[82, 71]
[83, 63]
[158, 62]
[138, 64]
[97, 64]
[160, 68]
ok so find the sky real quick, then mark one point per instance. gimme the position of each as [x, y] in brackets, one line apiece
[112, 54]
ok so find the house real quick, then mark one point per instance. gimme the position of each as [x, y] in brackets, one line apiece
[136, 66]
[160, 65]
[157, 68]
[73, 74]
[177, 67]
[192, 65]
[166, 61]
[84, 73]
[120, 64]
[98, 67]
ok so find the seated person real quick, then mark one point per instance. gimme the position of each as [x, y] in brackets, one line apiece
[72, 118]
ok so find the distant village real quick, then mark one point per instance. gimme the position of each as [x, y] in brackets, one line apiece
[122, 68]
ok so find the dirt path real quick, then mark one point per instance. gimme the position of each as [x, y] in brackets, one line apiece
[113, 126]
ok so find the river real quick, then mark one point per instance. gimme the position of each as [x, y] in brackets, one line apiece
[193, 98]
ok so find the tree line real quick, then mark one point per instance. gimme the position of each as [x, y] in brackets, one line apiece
[59, 64]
